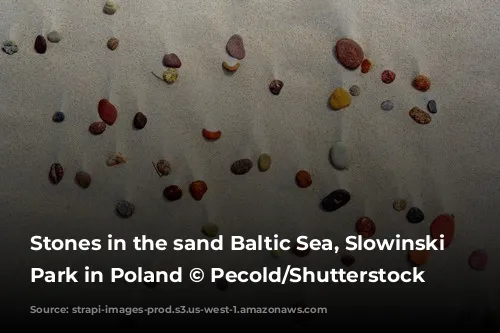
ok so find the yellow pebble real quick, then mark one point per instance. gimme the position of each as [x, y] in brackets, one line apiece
[340, 99]
[170, 75]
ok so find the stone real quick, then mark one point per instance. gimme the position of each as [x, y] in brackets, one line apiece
[444, 225]
[388, 76]
[348, 260]
[387, 105]
[40, 44]
[432, 106]
[339, 156]
[264, 162]
[355, 90]
[418, 257]
[54, 37]
[415, 215]
[421, 83]
[170, 75]
[366, 65]
[399, 205]
[9, 47]
[140, 120]
[116, 159]
[222, 284]
[242, 166]
[198, 189]
[211, 135]
[163, 167]
[303, 179]
[340, 99]
[231, 64]
[113, 43]
[419, 116]
[172, 193]
[107, 111]
[335, 200]
[58, 117]
[83, 179]
[210, 229]
[125, 209]
[235, 47]
[171, 60]
[365, 227]
[349, 53]
[275, 87]
[97, 127]
[110, 7]
[56, 173]
[478, 260]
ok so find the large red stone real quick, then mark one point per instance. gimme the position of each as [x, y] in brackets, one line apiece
[444, 224]
[107, 111]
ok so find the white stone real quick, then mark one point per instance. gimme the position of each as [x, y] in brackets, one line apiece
[339, 156]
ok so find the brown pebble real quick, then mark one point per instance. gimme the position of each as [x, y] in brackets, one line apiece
[422, 83]
[303, 179]
[40, 44]
[198, 189]
[172, 193]
[83, 179]
[97, 127]
[162, 167]
[242, 166]
[349, 53]
[420, 116]
[275, 87]
[113, 43]
[140, 120]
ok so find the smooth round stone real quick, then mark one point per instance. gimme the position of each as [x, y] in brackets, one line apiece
[40, 44]
[399, 205]
[97, 127]
[387, 105]
[235, 47]
[171, 60]
[349, 53]
[110, 7]
[54, 37]
[432, 106]
[83, 179]
[140, 120]
[335, 200]
[242, 166]
[388, 76]
[415, 215]
[9, 47]
[422, 83]
[340, 99]
[264, 162]
[125, 209]
[348, 260]
[478, 260]
[107, 111]
[210, 229]
[303, 179]
[58, 117]
[222, 284]
[113, 43]
[339, 156]
[444, 225]
[172, 193]
[355, 90]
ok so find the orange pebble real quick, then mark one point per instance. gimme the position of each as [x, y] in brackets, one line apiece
[211, 135]
[366, 65]
[303, 179]
[422, 83]
[419, 257]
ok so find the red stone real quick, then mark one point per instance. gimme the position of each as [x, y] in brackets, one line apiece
[198, 189]
[97, 127]
[388, 76]
[422, 83]
[444, 224]
[107, 111]
[349, 53]
[366, 65]
[365, 227]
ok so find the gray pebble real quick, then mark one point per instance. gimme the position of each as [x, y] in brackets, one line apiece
[432, 107]
[355, 90]
[125, 209]
[387, 105]
[54, 37]
[9, 47]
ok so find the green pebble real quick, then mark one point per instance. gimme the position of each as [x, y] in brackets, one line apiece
[210, 229]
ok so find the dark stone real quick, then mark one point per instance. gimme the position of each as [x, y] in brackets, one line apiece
[140, 120]
[40, 44]
[172, 193]
[242, 166]
[275, 87]
[172, 60]
[335, 200]
[432, 107]
[58, 117]
[415, 215]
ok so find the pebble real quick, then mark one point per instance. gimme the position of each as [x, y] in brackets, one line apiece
[210, 229]
[335, 200]
[211, 135]
[40, 44]
[349, 53]
[355, 90]
[198, 189]
[419, 257]
[276, 253]
[235, 47]
[116, 159]
[107, 111]
[300, 253]
[242, 166]
[415, 215]
[399, 205]
[340, 99]
[365, 227]
[444, 225]
[420, 116]
[170, 75]
[97, 127]
[303, 179]
[125, 209]
[231, 64]
[432, 106]
[422, 83]
[339, 156]
[388, 76]
[9, 47]
[58, 117]
[264, 162]
[83, 179]
[172, 193]
[366, 65]
[140, 120]
[54, 37]
[222, 284]
[387, 105]
[110, 7]
[478, 260]
[348, 260]
[163, 167]
[113, 43]
[171, 60]
[56, 173]
[275, 87]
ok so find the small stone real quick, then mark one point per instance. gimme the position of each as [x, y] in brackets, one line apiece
[387, 105]
[172, 193]
[140, 120]
[355, 90]
[222, 284]
[432, 106]
[110, 7]
[163, 167]
[54, 37]
[242, 166]
[276, 253]
[419, 257]
[56, 173]
[125, 209]
[340, 99]
[116, 159]
[388, 76]
[210, 229]
[420, 116]
[231, 64]
[365, 227]
[339, 156]
[399, 205]
[9, 47]
[40, 44]
[478, 260]
[113, 43]
[366, 65]
[298, 252]
[58, 117]
[422, 83]
[264, 162]
[83, 179]
[171, 60]
[335, 200]
[97, 127]
[211, 135]
[170, 75]
[444, 225]
[348, 260]
[198, 189]
[235, 47]
[415, 215]
[107, 111]
[303, 179]
[349, 53]
[275, 87]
